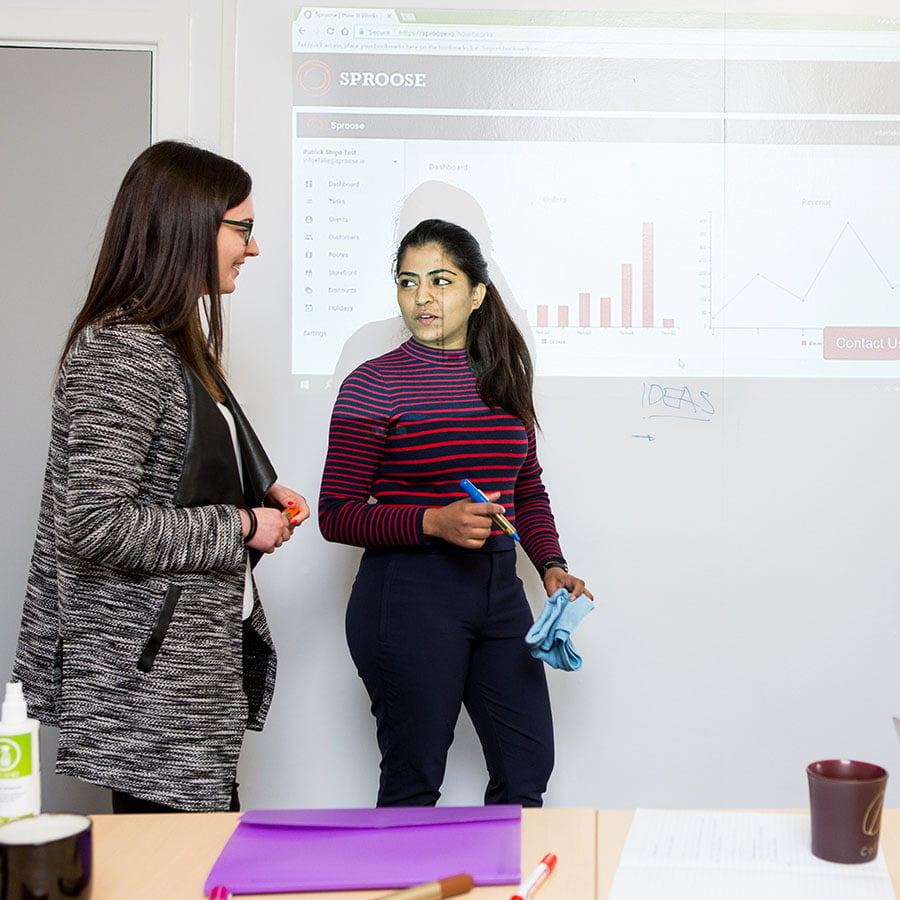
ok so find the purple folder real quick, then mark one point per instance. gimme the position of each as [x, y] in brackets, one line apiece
[284, 850]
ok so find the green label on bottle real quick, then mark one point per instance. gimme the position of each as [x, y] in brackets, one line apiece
[15, 756]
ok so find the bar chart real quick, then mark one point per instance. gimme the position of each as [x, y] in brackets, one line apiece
[589, 312]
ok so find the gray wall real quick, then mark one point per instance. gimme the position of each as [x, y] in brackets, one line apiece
[62, 157]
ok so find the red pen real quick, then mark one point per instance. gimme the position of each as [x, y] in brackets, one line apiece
[220, 892]
[541, 872]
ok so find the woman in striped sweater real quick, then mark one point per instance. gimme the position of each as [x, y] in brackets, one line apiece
[142, 637]
[437, 614]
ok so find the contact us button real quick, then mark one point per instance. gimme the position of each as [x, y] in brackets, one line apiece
[875, 342]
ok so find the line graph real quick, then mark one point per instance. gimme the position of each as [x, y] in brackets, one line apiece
[848, 284]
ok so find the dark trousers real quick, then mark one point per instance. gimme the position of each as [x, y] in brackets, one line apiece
[430, 632]
[126, 803]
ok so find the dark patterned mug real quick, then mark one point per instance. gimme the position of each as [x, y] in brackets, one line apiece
[46, 857]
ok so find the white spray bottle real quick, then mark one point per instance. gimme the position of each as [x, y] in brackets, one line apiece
[20, 760]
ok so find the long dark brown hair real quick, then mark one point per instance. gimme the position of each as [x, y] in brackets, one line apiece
[158, 263]
[495, 347]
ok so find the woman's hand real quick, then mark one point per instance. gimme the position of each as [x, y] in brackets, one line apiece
[556, 578]
[463, 522]
[271, 530]
[293, 506]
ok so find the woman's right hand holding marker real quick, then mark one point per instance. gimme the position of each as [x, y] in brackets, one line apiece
[463, 522]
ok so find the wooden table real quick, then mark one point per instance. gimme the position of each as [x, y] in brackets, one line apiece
[167, 857]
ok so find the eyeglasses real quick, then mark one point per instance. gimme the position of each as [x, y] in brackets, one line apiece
[246, 226]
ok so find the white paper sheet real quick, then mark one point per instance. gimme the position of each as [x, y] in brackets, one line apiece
[724, 855]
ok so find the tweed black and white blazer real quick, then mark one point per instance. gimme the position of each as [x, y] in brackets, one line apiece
[132, 640]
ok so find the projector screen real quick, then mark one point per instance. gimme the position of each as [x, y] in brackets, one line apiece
[691, 216]
[694, 194]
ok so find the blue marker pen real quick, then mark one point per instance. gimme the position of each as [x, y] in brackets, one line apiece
[501, 521]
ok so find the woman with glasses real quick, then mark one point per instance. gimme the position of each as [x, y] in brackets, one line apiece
[143, 638]
[437, 615]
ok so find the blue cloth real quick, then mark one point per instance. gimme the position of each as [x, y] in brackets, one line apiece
[550, 638]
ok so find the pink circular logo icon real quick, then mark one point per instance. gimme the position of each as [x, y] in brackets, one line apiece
[314, 77]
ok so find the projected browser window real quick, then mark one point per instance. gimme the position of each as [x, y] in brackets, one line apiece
[701, 195]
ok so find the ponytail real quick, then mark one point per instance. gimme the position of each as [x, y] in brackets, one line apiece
[500, 359]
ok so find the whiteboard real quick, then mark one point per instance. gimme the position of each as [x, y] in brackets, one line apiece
[738, 533]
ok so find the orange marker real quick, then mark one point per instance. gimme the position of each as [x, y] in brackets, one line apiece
[289, 512]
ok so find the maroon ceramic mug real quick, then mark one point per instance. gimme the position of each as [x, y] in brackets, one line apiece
[845, 802]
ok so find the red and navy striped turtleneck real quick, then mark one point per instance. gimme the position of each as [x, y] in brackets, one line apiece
[406, 428]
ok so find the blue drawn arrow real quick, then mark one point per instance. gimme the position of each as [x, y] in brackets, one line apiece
[646, 437]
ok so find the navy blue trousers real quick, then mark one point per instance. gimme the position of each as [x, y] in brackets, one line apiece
[431, 631]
